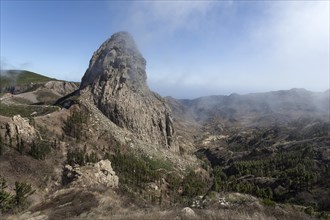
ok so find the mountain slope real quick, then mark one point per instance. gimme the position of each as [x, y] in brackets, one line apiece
[25, 93]
[255, 109]
[274, 144]
[108, 149]
[16, 81]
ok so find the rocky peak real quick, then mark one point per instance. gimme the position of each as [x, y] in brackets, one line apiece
[116, 80]
[117, 58]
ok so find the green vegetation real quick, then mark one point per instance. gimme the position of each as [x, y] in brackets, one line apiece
[22, 191]
[22, 101]
[295, 171]
[8, 201]
[75, 124]
[157, 164]
[2, 145]
[268, 202]
[135, 171]
[40, 149]
[46, 97]
[25, 110]
[193, 185]
[29, 80]
[81, 157]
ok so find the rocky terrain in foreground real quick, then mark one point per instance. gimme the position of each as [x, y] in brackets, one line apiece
[109, 148]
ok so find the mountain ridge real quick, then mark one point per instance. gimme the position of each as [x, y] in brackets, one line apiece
[236, 156]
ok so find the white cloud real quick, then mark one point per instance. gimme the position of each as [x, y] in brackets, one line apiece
[294, 40]
[179, 14]
[284, 44]
[169, 16]
[153, 21]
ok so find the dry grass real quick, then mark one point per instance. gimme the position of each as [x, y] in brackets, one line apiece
[68, 205]
[242, 213]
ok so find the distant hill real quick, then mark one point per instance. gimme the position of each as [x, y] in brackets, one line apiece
[24, 92]
[108, 147]
[256, 109]
[17, 81]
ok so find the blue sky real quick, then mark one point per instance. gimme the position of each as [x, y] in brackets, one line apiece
[192, 48]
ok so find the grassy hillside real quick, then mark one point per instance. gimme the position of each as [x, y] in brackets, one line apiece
[20, 78]
[25, 110]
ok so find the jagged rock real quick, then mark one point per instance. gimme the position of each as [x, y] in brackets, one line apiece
[100, 173]
[116, 79]
[19, 126]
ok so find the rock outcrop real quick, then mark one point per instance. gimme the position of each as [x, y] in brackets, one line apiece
[100, 173]
[60, 88]
[20, 127]
[116, 79]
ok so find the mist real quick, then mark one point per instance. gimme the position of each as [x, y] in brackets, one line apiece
[192, 48]
[208, 48]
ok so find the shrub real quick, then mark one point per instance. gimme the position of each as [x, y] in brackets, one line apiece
[75, 124]
[2, 145]
[22, 191]
[81, 157]
[8, 201]
[268, 202]
[193, 185]
[39, 150]
[309, 210]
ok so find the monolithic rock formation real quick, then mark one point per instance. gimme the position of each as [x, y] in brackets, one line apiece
[116, 79]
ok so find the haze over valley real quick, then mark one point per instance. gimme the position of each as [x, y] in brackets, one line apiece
[198, 110]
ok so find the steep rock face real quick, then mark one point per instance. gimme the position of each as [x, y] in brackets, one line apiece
[116, 79]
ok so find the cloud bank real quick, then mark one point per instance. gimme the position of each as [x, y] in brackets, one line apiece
[202, 48]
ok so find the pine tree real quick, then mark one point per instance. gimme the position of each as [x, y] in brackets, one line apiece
[22, 191]
[6, 199]
[2, 145]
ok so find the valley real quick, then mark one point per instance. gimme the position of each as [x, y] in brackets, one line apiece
[109, 148]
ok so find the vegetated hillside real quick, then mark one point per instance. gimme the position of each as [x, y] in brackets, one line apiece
[25, 93]
[97, 156]
[271, 145]
[279, 107]
[16, 81]
[62, 156]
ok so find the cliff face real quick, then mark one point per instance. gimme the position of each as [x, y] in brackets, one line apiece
[116, 79]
